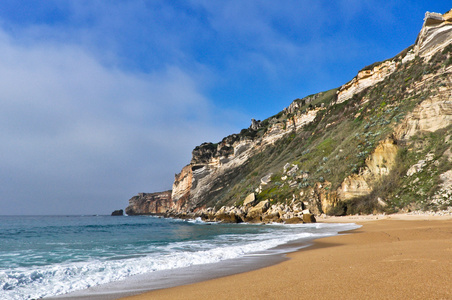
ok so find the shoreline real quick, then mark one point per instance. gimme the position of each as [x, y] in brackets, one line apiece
[164, 279]
[390, 256]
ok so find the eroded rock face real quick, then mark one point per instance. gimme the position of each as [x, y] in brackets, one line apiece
[182, 185]
[353, 186]
[378, 164]
[150, 203]
[383, 158]
[430, 115]
[211, 163]
[435, 34]
[250, 200]
[365, 79]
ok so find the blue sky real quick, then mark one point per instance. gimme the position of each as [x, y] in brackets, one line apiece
[101, 100]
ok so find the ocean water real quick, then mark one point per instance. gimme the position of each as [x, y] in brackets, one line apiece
[43, 256]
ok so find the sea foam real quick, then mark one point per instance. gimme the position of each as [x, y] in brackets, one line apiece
[68, 276]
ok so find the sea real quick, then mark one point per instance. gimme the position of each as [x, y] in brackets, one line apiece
[44, 256]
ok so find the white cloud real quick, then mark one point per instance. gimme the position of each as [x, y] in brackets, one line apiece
[72, 129]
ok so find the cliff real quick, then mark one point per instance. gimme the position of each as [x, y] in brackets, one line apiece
[346, 150]
[150, 203]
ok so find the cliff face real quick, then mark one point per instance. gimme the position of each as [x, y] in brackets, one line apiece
[347, 150]
[150, 203]
[214, 166]
[435, 34]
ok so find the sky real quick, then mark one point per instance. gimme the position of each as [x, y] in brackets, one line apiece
[102, 100]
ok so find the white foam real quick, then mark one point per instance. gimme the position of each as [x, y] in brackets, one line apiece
[36, 282]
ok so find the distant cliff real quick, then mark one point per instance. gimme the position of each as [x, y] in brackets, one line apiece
[150, 203]
[346, 150]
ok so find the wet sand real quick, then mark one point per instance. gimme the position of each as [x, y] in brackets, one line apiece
[390, 257]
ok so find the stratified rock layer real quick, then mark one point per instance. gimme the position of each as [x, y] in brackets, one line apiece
[150, 203]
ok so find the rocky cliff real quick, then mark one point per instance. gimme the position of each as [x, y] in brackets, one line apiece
[150, 203]
[347, 150]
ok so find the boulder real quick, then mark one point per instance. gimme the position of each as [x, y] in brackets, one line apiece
[294, 220]
[250, 200]
[228, 218]
[255, 214]
[207, 216]
[266, 179]
[308, 218]
[271, 218]
[118, 212]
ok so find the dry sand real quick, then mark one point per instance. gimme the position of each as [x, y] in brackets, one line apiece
[390, 257]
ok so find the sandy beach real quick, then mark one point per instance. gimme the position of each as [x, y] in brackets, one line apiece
[389, 257]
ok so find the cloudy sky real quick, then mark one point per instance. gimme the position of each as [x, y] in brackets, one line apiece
[101, 100]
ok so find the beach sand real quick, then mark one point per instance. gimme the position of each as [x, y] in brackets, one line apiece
[389, 257]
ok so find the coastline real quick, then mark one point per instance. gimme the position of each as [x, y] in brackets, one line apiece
[390, 256]
[168, 278]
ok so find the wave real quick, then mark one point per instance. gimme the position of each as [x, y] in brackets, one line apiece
[61, 278]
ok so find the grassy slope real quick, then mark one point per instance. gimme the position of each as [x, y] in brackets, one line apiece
[337, 143]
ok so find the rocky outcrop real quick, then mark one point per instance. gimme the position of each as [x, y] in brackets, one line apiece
[366, 78]
[262, 212]
[430, 115]
[378, 164]
[150, 203]
[435, 34]
[118, 212]
[212, 165]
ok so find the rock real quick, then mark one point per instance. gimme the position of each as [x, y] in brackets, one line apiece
[266, 180]
[271, 218]
[255, 125]
[257, 219]
[435, 34]
[432, 114]
[293, 170]
[381, 202]
[365, 79]
[150, 203]
[118, 212]
[294, 220]
[228, 215]
[286, 167]
[308, 218]
[255, 213]
[250, 200]
[228, 218]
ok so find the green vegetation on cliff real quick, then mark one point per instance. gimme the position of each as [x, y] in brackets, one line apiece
[340, 139]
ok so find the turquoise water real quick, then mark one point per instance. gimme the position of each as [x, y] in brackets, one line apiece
[52, 255]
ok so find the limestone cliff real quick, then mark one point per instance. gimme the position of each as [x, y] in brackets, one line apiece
[213, 164]
[435, 35]
[150, 203]
[347, 150]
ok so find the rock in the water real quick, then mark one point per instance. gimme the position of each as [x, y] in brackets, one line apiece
[271, 218]
[308, 218]
[294, 220]
[118, 212]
